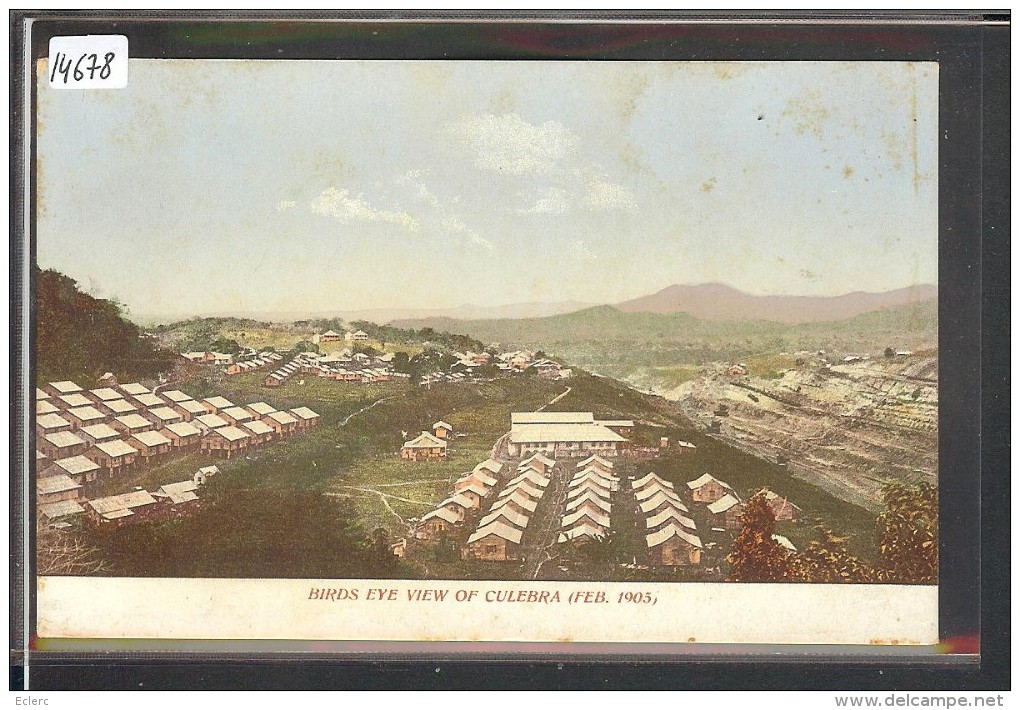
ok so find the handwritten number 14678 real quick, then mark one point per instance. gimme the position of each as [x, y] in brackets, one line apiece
[76, 69]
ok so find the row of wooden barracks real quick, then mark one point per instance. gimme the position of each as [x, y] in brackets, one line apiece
[57, 502]
[589, 505]
[356, 368]
[671, 537]
[83, 434]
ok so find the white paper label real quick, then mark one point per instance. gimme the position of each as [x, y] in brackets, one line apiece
[88, 62]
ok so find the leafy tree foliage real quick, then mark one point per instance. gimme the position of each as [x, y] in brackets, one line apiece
[79, 337]
[826, 560]
[755, 556]
[909, 545]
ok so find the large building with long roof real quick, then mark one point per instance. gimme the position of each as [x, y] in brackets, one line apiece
[561, 435]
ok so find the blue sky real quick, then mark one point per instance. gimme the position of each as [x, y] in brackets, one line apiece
[230, 185]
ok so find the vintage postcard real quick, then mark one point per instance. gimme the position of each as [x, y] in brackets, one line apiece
[493, 351]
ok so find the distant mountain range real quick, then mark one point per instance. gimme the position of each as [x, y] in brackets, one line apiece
[382, 315]
[719, 302]
[713, 302]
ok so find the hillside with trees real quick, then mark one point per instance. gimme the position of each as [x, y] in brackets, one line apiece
[80, 337]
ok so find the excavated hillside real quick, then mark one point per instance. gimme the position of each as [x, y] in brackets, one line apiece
[845, 427]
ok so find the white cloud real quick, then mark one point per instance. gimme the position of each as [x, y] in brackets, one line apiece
[345, 207]
[554, 201]
[285, 205]
[509, 143]
[603, 195]
[453, 223]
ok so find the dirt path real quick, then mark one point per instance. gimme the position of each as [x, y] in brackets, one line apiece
[366, 408]
[555, 399]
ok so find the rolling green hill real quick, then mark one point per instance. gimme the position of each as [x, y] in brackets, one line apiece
[609, 341]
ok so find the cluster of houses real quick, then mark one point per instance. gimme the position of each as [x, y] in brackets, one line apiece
[81, 435]
[255, 361]
[671, 536]
[725, 507]
[588, 505]
[499, 532]
[57, 502]
[509, 363]
[343, 366]
[567, 434]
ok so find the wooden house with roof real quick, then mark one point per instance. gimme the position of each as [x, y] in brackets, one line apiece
[258, 432]
[537, 462]
[588, 498]
[133, 389]
[178, 493]
[51, 424]
[582, 533]
[305, 417]
[708, 489]
[490, 466]
[51, 512]
[517, 501]
[62, 445]
[104, 394]
[673, 546]
[586, 514]
[423, 447]
[150, 445]
[480, 478]
[183, 436]
[214, 405]
[236, 415]
[79, 469]
[113, 456]
[260, 409]
[131, 424]
[57, 389]
[149, 401]
[442, 430]
[436, 522]
[208, 422]
[726, 512]
[53, 489]
[474, 493]
[71, 401]
[189, 409]
[98, 433]
[225, 441]
[522, 487]
[506, 515]
[163, 416]
[658, 501]
[283, 423]
[176, 396]
[668, 515]
[121, 509]
[496, 541]
[117, 407]
[45, 406]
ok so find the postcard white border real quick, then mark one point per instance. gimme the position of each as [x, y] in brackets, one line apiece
[250, 609]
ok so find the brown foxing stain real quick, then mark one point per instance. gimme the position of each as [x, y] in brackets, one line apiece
[504, 102]
[808, 113]
[913, 131]
[708, 185]
[848, 171]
